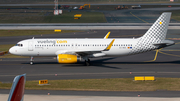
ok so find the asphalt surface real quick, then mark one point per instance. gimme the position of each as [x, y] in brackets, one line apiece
[82, 26]
[105, 3]
[166, 65]
[144, 15]
[166, 94]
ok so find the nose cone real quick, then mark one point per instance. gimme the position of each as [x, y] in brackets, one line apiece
[12, 50]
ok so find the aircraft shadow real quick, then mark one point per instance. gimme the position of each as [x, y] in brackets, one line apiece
[104, 63]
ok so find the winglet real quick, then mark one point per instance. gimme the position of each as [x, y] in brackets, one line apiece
[109, 46]
[17, 89]
[107, 35]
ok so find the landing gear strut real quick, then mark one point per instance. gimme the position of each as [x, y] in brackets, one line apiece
[87, 62]
[31, 60]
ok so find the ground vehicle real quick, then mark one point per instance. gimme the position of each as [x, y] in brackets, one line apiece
[121, 7]
[136, 7]
[82, 7]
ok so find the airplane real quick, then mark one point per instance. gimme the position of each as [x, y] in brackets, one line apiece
[74, 50]
[17, 90]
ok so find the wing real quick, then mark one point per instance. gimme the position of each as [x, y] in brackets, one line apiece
[85, 52]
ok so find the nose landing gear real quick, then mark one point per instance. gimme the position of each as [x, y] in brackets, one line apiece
[31, 60]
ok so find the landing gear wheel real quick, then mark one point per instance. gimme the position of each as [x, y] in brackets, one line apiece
[31, 60]
[87, 63]
[31, 63]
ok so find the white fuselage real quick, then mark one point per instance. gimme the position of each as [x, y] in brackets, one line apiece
[53, 47]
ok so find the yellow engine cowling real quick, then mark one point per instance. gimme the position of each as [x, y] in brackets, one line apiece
[68, 58]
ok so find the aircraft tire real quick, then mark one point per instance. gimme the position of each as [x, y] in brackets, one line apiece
[31, 63]
[87, 63]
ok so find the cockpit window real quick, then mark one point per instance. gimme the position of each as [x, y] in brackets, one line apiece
[19, 45]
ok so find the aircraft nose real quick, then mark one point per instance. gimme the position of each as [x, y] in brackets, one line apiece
[12, 50]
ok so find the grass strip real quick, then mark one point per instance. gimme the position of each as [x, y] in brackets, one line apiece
[6, 47]
[31, 32]
[48, 17]
[114, 84]
[68, 17]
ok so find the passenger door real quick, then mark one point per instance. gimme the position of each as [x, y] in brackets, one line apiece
[30, 46]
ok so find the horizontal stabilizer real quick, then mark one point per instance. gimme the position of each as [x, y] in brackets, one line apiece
[164, 43]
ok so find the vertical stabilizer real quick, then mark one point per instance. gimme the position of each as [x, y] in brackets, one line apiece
[157, 32]
[17, 89]
[155, 35]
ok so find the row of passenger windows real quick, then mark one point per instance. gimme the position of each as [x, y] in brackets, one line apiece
[86, 45]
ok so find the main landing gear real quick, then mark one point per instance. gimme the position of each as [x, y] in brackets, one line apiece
[31, 60]
[87, 62]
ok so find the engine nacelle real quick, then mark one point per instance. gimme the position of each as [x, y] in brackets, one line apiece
[68, 58]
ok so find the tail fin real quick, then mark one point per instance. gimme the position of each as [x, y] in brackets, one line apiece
[157, 32]
[17, 89]
[155, 36]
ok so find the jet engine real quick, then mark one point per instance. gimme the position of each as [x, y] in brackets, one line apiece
[68, 58]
